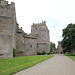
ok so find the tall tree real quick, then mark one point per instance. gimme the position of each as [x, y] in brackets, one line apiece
[68, 42]
[52, 46]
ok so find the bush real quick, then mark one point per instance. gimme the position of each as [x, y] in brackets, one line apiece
[14, 52]
[43, 53]
[39, 53]
[48, 53]
[51, 52]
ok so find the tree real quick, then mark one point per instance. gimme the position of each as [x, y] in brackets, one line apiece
[14, 52]
[68, 42]
[52, 46]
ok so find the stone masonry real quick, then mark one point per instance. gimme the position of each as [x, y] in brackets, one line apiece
[60, 49]
[11, 36]
[7, 29]
[41, 31]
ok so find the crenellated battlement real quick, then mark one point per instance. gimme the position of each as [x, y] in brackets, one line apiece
[5, 4]
[43, 23]
[5, 7]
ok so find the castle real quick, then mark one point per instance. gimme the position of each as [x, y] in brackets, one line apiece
[60, 49]
[11, 36]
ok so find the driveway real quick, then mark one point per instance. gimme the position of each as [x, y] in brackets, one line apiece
[57, 65]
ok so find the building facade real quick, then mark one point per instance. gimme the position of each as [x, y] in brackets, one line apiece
[41, 31]
[60, 49]
[11, 36]
[7, 29]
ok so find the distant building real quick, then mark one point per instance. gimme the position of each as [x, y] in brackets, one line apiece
[60, 49]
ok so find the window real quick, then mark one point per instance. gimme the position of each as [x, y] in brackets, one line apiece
[1, 54]
[37, 45]
[30, 46]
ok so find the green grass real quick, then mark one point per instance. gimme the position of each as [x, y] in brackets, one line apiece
[10, 66]
[69, 54]
[72, 56]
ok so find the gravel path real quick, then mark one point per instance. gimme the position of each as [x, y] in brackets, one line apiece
[57, 65]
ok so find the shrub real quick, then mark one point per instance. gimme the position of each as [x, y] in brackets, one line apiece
[51, 52]
[14, 52]
[43, 53]
[48, 53]
[39, 53]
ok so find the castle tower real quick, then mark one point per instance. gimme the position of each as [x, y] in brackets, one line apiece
[41, 31]
[60, 49]
[7, 29]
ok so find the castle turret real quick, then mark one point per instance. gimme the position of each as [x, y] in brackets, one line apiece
[8, 27]
[41, 31]
[60, 49]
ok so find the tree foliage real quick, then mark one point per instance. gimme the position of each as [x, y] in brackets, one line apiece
[68, 42]
[14, 52]
[52, 46]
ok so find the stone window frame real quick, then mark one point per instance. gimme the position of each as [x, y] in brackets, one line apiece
[37, 45]
[30, 46]
[1, 54]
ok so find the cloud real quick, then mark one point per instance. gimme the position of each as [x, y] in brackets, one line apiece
[57, 13]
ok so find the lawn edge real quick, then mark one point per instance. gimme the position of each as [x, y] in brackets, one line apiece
[31, 66]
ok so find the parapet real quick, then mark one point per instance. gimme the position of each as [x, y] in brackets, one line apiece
[30, 36]
[5, 3]
[19, 30]
[6, 9]
[43, 23]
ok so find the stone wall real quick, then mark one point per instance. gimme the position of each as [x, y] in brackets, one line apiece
[60, 49]
[26, 43]
[11, 36]
[30, 45]
[36, 41]
[7, 29]
[20, 43]
[41, 31]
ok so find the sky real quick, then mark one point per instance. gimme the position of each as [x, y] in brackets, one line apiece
[57, 14]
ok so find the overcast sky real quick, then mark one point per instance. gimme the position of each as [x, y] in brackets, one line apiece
[57, 14]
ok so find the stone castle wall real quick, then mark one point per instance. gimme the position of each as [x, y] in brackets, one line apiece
[30, 45]
[20, 43]
[42, 33]
[11, 36]
[26, 44]
[7, 29]
[60, 49]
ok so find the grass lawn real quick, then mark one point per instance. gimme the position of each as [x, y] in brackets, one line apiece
[72, 56]
[9, 66]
